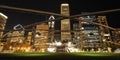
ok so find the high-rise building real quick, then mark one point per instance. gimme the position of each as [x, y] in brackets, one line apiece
[17, 37]
[105, 32]
[87, 35]
[29, 38]
[41, 37]
[116, 36]
[76, 34]
[2, 23]
[51, 25]
[65, 23]
[91, 33]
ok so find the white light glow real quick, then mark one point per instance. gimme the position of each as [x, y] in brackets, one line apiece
[51, 17]
[72, 49]
[58, 43]
[69, 44]
[37, 35]
[51, 49]
[82, 28]
[104, 40]
[65, 4]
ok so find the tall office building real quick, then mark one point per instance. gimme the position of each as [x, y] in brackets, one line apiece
[91, 33]
[17, 37]
[105, 32]
[2, 23]
[51, 25]
[29, 38]
[87, 35]
[92, 36]
[65, 23]
[41, 37]
[116, 35]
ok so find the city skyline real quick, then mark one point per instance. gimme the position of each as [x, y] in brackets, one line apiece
[19, 17]
[61, 26]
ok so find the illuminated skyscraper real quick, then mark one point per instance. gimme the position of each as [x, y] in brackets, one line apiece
[41, 37]
[29, 38]
[116, 35]
[105, 33]
[65, 23]
[2, 23]
[51, 25]
[17, 36]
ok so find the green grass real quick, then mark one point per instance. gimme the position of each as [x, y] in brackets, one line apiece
[51, 54]
[30, 54]
[96, 54]
[60, 56]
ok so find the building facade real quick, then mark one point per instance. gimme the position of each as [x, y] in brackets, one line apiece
[29, 38]
[65, 23]
[116, 36]
[41, 37]
[2, 23]
[105, 32]
[89, 35]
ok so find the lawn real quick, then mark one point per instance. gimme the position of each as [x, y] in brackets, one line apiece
[61, 56]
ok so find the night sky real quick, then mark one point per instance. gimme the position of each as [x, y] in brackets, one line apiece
[76, 7]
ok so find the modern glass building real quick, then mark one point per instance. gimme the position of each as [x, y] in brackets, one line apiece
[87, 35]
